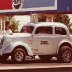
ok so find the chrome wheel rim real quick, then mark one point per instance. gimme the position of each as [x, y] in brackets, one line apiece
[19, 56]
[66, 56]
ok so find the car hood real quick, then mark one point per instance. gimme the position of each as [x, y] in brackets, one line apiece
[18, 35]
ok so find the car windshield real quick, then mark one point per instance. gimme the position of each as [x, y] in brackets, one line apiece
[27, 29]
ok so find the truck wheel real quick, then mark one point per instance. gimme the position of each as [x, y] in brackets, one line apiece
[18, 55]
[45, 57]
[65, 54]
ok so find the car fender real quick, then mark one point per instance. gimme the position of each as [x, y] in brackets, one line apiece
[12, 46]
[61, 42]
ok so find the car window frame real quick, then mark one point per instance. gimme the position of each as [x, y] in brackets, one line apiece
[44, 33]
[60, 33]
[26, 26]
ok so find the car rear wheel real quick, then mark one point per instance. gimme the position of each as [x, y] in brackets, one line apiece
[65, 54]
[18, 55]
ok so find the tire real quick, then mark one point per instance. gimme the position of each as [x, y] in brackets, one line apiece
[18, 55]
[65, 54]
[45, 57]
[3, 58]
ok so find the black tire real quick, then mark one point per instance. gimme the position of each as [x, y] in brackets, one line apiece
[45, 57]
[65, 54]
[18, 55]
[3, 58]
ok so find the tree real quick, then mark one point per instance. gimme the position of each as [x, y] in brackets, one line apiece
[62, 18]
[12, 22]
[41, 18]
[14, 25]
[70, 27]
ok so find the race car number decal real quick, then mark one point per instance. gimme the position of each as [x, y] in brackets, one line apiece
[44, 42]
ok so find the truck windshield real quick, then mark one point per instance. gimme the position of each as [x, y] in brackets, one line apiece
[27, 29]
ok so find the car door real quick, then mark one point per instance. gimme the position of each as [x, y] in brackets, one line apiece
[43, 40]
[60, 34]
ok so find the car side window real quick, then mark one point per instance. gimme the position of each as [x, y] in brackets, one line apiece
[60, 30]
[27, 29]
[43, 30]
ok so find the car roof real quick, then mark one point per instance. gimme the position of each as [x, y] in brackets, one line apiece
[47, 24]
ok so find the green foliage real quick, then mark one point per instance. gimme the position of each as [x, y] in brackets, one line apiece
[70, 27]
[14, 25]
[63, 18]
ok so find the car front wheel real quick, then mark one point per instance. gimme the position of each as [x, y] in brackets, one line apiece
[18, 55]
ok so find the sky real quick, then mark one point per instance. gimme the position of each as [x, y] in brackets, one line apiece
[24, 19]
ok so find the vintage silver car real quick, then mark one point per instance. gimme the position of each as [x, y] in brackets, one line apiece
[45, 39]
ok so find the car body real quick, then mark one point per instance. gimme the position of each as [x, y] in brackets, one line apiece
[45, 39]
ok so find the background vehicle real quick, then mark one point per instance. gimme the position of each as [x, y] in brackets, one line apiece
[45, 39]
